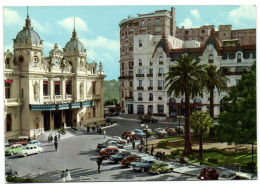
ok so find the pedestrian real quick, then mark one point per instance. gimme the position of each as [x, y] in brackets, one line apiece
[88, 129]
[133, 144]
[56, 145]
[99, 162]
[51, 138]
[63, 176]
[59, 136]
[68, 177]
[128, 140]
[55, 138]
[140, 147]
[152, 149]
[104, 134]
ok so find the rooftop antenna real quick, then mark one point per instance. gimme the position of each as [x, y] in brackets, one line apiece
[27, 12]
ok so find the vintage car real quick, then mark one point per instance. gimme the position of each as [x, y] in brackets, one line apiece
[130, 134]
[119, 139]
[227, 175]
[208, 174]
[13, 149]
[108, 151]
[171, 131]
[21, 140]
[9, 172]
[129, 159]
[148, 119]
[160, 132]
[145, 164]
[139, 132]
[161, 167]
[119, 156]
[110, 143]
[34, 142]
[29, 150]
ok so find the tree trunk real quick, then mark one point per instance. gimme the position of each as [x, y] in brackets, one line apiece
[187, 148]
[201, 147]
[211, 111]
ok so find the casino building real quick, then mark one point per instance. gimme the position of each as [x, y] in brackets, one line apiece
[44, 93]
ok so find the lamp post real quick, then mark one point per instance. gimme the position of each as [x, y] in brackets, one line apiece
[179, 125]
[146, 149]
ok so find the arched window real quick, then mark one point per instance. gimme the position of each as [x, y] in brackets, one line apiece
[35, 59]
[160, 58]
[197, 101]
[172, 100]
[239, 57]
[211, 58]
[183, 100]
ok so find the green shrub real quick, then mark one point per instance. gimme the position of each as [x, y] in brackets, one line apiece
[162, 143]
[167, 147]
[23, 180]
[176, 152]
[213, 160]
[192, 157]
[62, 131]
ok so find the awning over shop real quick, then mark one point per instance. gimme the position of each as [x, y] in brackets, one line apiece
[87, 104]
[45, 107]
[75, 105]
[63, 106]
[9, 81]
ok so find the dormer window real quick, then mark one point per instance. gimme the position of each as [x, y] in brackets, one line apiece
[35, 59]
[160, 58]
[239, 57]
[211, 58]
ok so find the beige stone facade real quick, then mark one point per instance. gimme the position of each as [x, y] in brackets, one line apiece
[46, 93]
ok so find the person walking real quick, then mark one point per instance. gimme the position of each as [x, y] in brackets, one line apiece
[152, 149]
[51, 138]
[99, 162]
[68, 177]
[55, 138]
[63, 176]
[128, 140]
[133, 144]
[104, 134]
[56, 145]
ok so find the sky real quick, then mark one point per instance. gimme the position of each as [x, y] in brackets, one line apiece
[98, 26]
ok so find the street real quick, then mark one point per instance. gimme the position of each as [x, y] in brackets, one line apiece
[78, 154]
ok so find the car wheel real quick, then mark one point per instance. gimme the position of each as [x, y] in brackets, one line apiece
[158, 172]
[142, 170]
[12, 153]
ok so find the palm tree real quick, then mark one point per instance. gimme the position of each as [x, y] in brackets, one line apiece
[185, 78]
[201, 122]
[215, 79]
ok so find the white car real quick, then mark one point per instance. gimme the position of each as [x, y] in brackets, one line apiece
[29, 150]
[160, 131]
[227, 175]
[119, 139]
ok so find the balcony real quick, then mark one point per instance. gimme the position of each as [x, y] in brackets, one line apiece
[68, 97]
[150, 75]
[160, 74]
[12, 102]
[46, 98]
[150, 99]
[140, 88]
[139, 75]
[129, 98]
[140, 99]
[126, 77]
[233, 73]
[160, 88]
[58, 97]
[150, 88]
[89, 96]
[160, 62]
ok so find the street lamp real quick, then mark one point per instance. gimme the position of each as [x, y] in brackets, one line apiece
[146, 149]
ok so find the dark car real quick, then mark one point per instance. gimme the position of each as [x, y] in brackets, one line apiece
[110, 143]
[119, 156]
[108, 151]
[9, 172]
[130, 134]
[208, 174]
[21, 140]
[145, 164]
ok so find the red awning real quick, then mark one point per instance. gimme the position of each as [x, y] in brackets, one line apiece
[67, 82]
[94, 82]
[9, 81]
[57, 82]
[45, 82]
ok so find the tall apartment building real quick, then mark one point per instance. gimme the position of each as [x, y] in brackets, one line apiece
[157, 23]
[44, 93]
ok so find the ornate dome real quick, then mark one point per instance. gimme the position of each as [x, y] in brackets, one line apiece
[74, 45]
[28, 34]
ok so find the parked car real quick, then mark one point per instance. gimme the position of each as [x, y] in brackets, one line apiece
[109, 143]
[21, 140]
[130, 134]
[139, 132]
[121, 141]
[227, 175]
[208, 174]
[161, 167]
[119, 156]
[109, 150]
[160, 131]
[34, 142]
[129, 159]
[10, 172]
[145, 164]
[29, 150]
[148, 119]
[14, 149]
[171, 131]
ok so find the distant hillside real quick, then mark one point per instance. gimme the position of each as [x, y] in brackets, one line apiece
[111, 89]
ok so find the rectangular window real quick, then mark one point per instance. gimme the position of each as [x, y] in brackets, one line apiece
[140, 43]
[140, 71]
[130, 94]
[123, 66]
[7, 90]
[140, 95]
[150, 95]
[94, 111]
[45, 88]
[122, 94]
[131, 73]
[57, 88]
[160, 83]
[140, 83]
[160, 109]
[93, 88]
[151, 71]
[8, 122]
[151, 83]
[131, 84]
[140, 109]
[142, 23]
[149, 23]
[160, 70]
[140, 62]
[157, 21]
